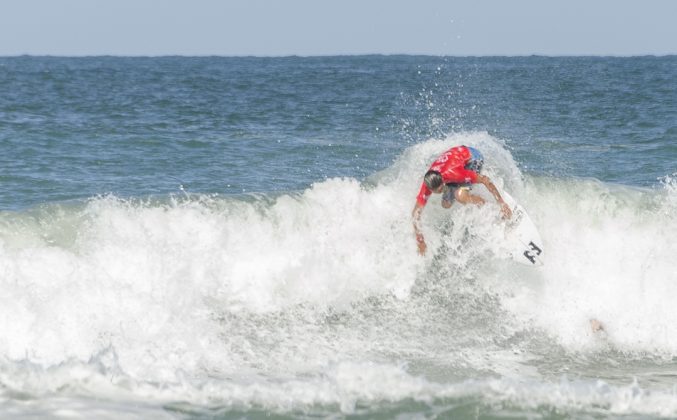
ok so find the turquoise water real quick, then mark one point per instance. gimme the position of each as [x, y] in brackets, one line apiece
[77, 127]
[230, 237]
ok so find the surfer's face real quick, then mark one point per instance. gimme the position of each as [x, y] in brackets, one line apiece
[439, 189]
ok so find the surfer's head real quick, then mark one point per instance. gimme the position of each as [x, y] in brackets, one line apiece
[476, 160]
[433, 180]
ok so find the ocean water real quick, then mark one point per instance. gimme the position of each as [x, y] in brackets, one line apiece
[231, 238]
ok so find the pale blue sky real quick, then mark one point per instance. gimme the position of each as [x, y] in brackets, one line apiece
[317, 27]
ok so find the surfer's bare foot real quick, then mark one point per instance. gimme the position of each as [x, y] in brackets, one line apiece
[596, 326]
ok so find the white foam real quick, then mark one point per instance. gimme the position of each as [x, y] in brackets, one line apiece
[160, 298]
[347, 387]
[610, 257]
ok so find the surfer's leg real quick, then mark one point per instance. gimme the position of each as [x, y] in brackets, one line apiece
[596, 325]
[464, 196]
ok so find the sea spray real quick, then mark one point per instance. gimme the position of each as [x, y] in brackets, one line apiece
[316, 301]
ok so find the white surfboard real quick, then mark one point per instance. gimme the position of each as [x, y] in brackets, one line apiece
[522, 238]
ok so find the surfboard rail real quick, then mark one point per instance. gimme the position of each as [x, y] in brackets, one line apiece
[521, 234]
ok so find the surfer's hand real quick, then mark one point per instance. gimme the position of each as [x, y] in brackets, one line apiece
[505, 211]
[420, 242]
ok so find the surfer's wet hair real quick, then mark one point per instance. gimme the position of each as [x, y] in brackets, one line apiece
[433, 179]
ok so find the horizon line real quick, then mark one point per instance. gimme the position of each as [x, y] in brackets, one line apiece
[338, 55]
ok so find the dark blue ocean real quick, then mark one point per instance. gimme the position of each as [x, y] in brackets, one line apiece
[214, 237]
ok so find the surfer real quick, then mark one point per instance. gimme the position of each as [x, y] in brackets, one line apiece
[452, 175]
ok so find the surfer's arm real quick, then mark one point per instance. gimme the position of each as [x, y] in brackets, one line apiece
[505, 208]
[416, 218]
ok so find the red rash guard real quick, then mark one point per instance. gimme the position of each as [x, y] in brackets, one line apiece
[451, 164]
